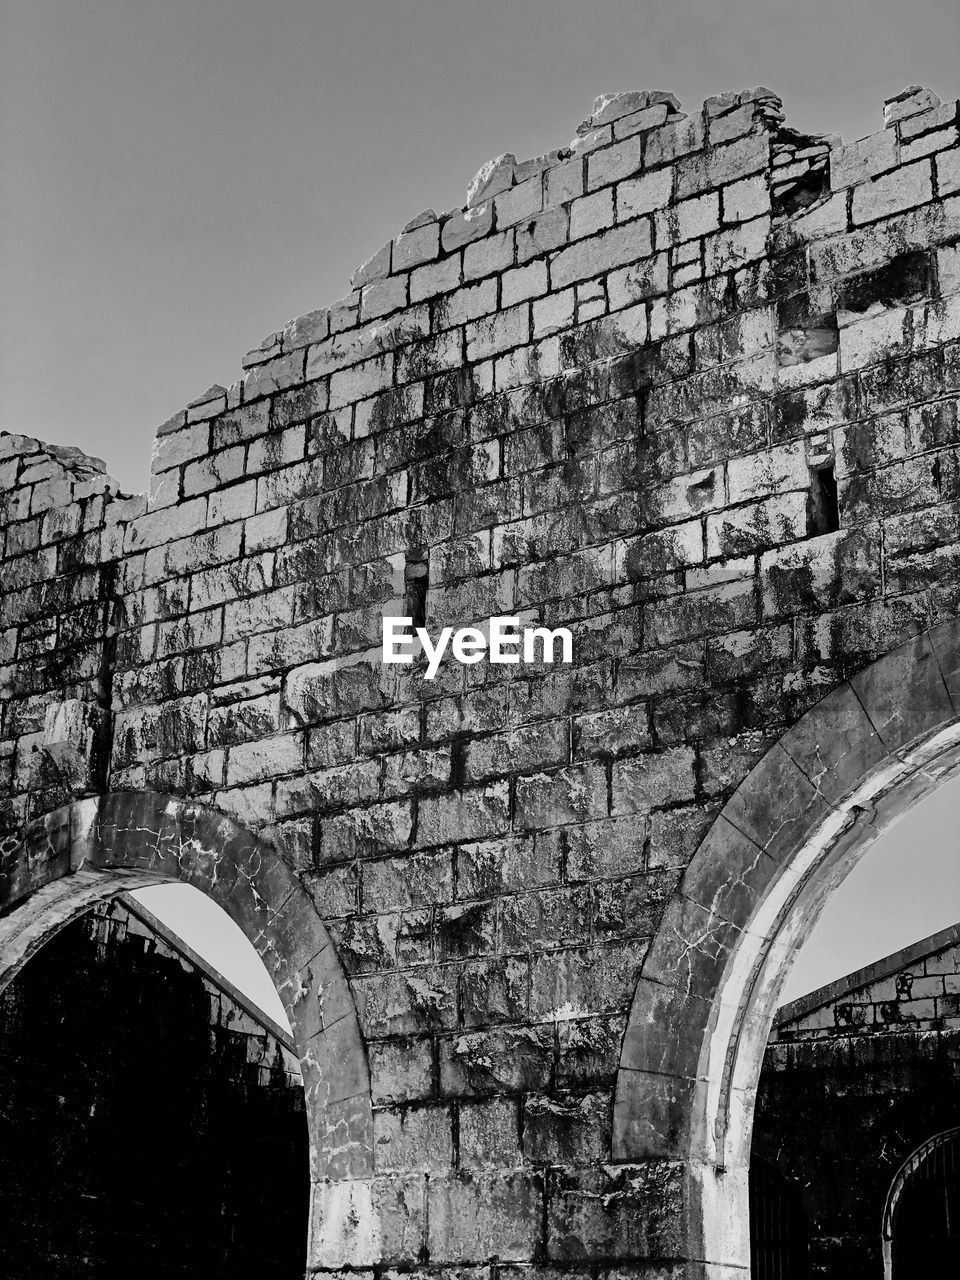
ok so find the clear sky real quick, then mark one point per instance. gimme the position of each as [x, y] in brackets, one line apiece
[181, 177]
[212, 934]
[905, 887]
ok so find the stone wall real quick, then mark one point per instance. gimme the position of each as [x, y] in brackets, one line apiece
[856, 1077]
[688, 387]
[916, 989]
[63, 523]
[151, 1119]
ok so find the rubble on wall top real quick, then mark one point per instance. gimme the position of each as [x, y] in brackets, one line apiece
[65, 474]
[626, 112]
[213, 392]
[908, 102]
[800, 174]
[491, 178]
[81, 465]
[421, 220]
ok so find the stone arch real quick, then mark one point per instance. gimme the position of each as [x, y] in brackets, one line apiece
[97, 847]
[710, 984]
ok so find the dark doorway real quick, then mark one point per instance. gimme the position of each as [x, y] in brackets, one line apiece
[151, 1125]
[925, 1227]
[778, 1233]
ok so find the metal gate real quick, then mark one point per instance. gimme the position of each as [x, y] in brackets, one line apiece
[923, 1216]
[778, 1234]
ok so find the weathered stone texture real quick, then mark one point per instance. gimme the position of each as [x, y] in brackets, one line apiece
[614, 393]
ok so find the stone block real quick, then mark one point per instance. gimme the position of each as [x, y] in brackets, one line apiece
[674, 139]
[412, 1139]
[496, 1061]
[436, 277]
[570, 795]
[495, 176]
[601, 253]
[901, 189]
[380, 297]
[948, 172]
[375, 268]
[567, 1130]
[904, 694]
[174, 448]
[523, 282]
[473, 814]
[720, 165]
[477, 1216]
[362, 380]
[74, 739]
[591, 213]
[858, 161]
[416, 246]
[565, 182]
[461, 228]
[488, 256]
[541, 234]
[519, 203]
[653, 780]
[580, 982]
[908, 102]
[489, 1135]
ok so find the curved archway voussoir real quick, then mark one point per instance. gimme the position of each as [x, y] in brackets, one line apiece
[749, 869]
[144, 838]
[702, 1008]
[50, 847]
[904, 692]
[775, 807]
[837, 748]
[200, 846]
[945, 639]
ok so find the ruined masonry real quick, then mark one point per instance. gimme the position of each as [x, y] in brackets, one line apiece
[687, 387]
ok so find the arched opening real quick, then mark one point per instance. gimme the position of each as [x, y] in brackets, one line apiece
[142, 1097]
[712, 979]
[861, 1063]
[94, 849]
[921, 1220]
[762, 962]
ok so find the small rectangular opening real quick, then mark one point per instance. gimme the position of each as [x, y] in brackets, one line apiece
[823, 508]
[416, 583]
[803, 335]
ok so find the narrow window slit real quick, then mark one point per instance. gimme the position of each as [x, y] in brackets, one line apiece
[823, 510]
[416, 583]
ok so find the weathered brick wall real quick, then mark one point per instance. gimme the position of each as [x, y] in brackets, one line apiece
[851, 1085]
[151, 1122]
[687, 387]
[62, 522]
[917, 989]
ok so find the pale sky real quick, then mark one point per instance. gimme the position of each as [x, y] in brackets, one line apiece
[180, 178]
[905, 887]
